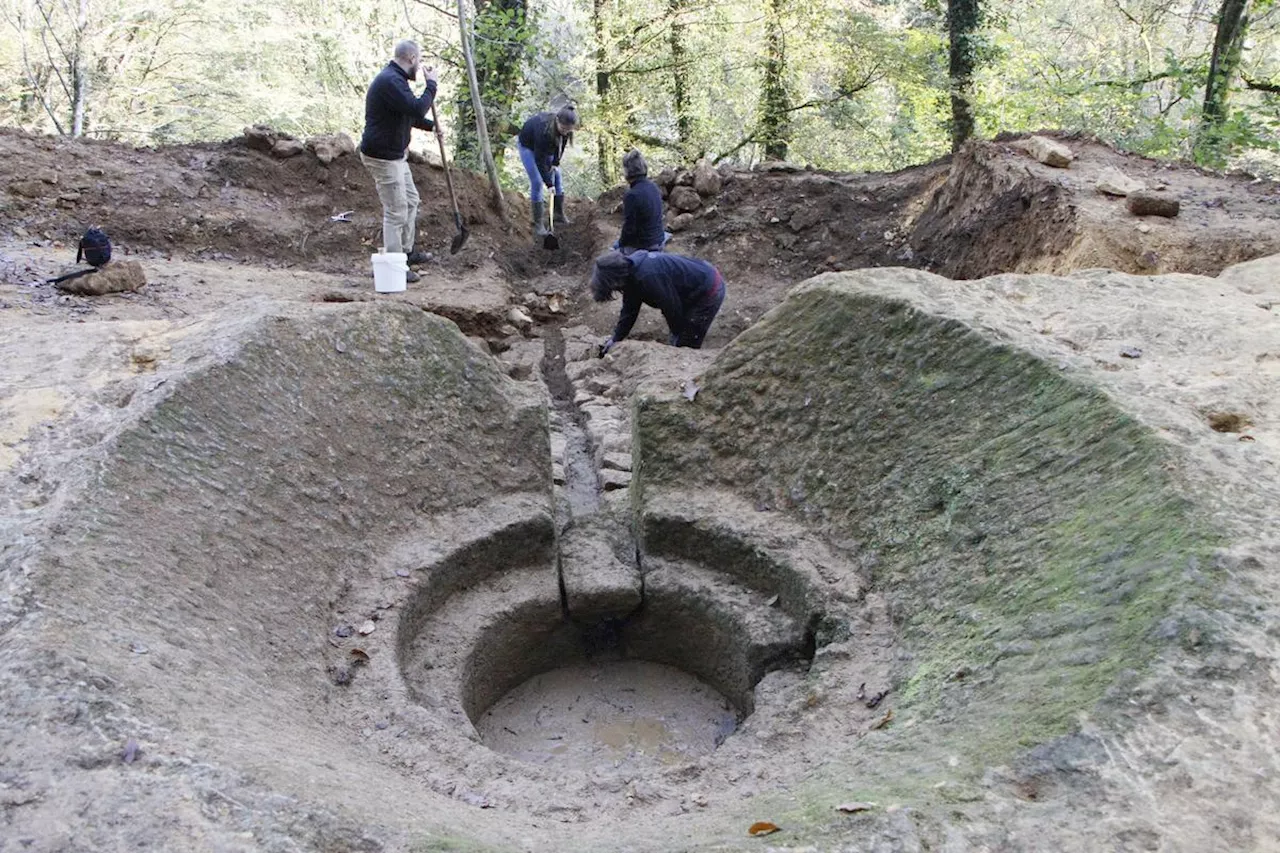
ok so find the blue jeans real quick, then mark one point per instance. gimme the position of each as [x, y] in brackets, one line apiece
[535, 177]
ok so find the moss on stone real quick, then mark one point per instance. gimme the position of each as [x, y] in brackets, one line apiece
[1025, 530]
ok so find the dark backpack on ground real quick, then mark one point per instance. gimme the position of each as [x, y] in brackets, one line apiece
[95, 248]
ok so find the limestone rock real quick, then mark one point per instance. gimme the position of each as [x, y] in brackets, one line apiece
[685, 199]
[27, 189]
[1150, 203]
[115, 277]
[1049, 152]
[286, 148]
[1114, 182]
[666, 179]
[259, 137]
[805, 217]
[706, 180]
[330, 147]
[680, 222]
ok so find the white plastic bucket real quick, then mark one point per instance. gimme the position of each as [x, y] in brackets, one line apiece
[389, 271]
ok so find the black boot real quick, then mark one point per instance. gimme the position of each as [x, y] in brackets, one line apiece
[539, 221]
[561, 219]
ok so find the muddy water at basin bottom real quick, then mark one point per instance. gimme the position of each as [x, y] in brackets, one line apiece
[621, 714]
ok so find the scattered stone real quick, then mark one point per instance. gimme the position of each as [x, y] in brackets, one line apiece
[402, 573]
[706, 180]
[368, 628]
[49, 177]
[617, 461]
[519, 318]
[138, 648]
[1143, 228]
[27, 189]
[331, 146]
[685, 199]
[131, 751]
[1151, 203]
[1049, 152]
[852, 808]
[806, 217]
[286, 148]
[115, 277]
[1114, 182]
[68, 199]
[1149, 260]
[339, 675]
[612, 481]
[95, 171]
[680, 222]
[259, 137]
[343, 631]
[666, 179]
[684, 179]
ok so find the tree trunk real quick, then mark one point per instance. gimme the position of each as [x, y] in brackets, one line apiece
[604, 142]
[79, 81]
[1228, 44]
[503, 28]
[775, 104]
[964, 17]
[679, 76]
[482, 129]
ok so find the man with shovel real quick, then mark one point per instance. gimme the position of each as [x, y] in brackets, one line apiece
[391, 111]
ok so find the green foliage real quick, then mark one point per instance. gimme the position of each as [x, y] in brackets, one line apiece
[859, 84]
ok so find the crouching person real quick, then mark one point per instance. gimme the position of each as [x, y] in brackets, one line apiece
[641, 209]
[687, 291]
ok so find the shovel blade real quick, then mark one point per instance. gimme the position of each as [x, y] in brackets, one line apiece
[458, 240]
[550, 241]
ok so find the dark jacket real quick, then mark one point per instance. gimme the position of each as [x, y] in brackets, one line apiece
[642, 216]
[539, 136]
[391, 112]
[673, 284]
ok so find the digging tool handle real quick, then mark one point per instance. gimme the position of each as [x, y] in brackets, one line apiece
[448, 179]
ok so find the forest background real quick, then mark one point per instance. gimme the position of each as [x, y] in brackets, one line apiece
[852, 85]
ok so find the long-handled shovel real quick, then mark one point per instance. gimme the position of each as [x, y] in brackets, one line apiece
[463, 234]
[550, 240]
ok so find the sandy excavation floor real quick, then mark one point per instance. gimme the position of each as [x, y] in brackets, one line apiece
[1195, 765]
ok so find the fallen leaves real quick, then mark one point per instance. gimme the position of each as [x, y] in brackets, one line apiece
[762, 827]
[883, 721]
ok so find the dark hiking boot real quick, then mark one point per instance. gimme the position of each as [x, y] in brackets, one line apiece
[539, 221]
[416, 257]
[410, 277]
[561, 219]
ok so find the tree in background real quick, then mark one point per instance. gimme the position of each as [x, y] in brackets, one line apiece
[775, 103]
[503, 37]
[964, 18]
[1224, 65]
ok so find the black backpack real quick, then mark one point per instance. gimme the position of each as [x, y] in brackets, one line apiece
[95, 248]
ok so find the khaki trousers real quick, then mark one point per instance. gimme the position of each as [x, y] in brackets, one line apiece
[399, 198]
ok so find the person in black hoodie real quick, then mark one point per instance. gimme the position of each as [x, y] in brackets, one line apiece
[541, 143]
[641, 209]
[687, 291]
[391, 111]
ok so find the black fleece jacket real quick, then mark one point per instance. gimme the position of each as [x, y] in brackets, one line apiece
[391, 112]
[673, 284]
[641, 216]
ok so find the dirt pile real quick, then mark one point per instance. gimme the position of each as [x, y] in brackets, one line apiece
[992, 208]
[231, 201]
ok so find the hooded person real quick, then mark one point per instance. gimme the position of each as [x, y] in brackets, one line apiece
[641, 209]
[391, 112]
[541, 143]
[688, 292]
